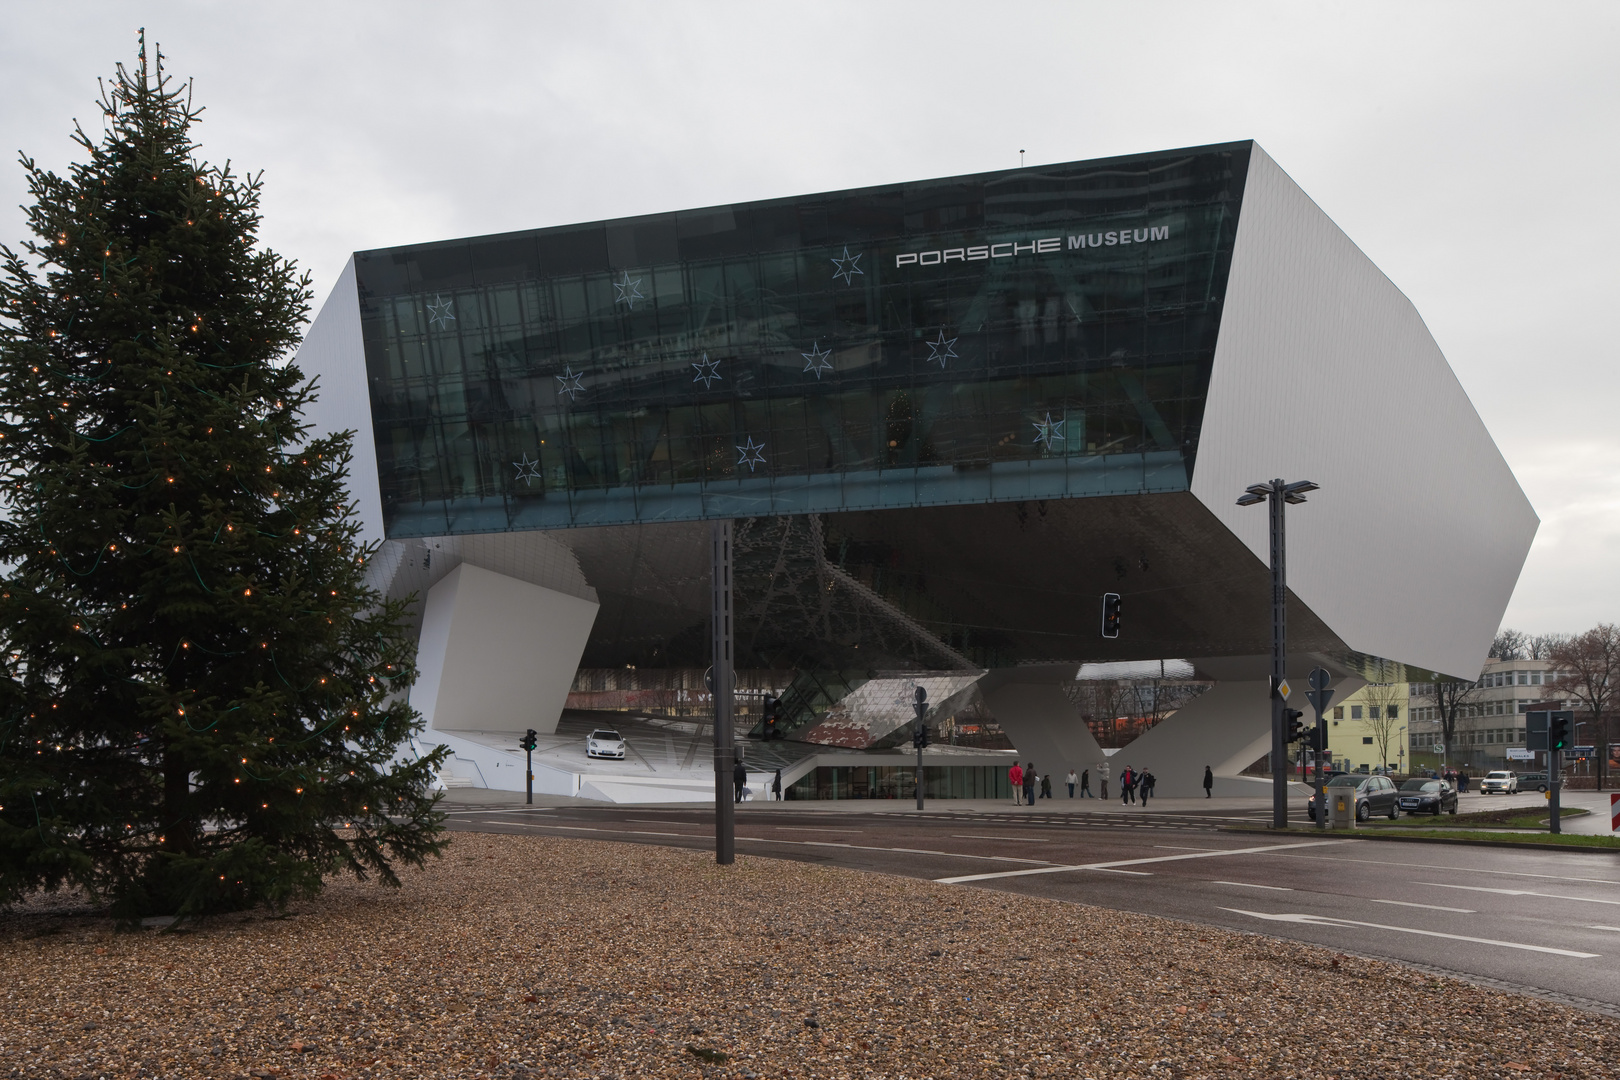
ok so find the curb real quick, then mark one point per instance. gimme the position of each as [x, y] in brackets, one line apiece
[1461, 841]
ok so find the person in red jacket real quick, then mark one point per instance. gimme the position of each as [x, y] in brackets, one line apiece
[1015, 776]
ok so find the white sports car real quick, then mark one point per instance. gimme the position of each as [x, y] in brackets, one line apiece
[603, 743]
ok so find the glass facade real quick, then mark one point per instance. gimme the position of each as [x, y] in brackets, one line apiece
[1037, 333]
[900, 782]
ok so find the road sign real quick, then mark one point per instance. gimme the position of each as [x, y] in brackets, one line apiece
[1319, 698]
[1282, 689]
[1319, 678]
[1614, 812]
[1519, 753]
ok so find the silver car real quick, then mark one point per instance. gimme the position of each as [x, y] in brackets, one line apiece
[604, 743]
[1500, 782]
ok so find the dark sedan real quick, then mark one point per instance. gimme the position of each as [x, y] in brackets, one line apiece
[1420, 796]
[1374, 795]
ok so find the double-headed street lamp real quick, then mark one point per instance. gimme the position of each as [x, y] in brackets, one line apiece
[1279, 493]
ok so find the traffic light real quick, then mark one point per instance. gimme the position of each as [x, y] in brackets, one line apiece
[1293, 725]
[1557, 731]
[530, 740]
[919, 736]
[771, 714]
[1110, 622]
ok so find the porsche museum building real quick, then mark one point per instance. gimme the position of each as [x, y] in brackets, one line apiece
[945, 417]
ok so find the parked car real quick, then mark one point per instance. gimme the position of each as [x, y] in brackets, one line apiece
[1374, 795]
[1421, 796]
[1499, 782]
[604, 743]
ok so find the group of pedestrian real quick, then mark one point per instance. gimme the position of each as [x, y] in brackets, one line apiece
[1083, 781]
[739, 783]
[1135, 783]
[1459, 780]
[1029, 784]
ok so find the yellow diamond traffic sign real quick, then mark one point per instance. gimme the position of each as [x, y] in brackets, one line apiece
[1282, 689]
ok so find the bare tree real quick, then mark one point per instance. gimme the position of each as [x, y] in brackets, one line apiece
[1542, 645]
[1450, 696]
[1384, 702]
[1588, 668]
[1510, 644]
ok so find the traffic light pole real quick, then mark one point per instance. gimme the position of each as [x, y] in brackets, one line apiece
[1555, 784]
[529, 754]
[725, 810]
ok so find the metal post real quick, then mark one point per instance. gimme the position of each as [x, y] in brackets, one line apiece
[725, 810]
[1555, 782]
[1279, 658]
[529, 754]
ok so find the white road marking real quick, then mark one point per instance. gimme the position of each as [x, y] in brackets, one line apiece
[1323, 920]
[1020, 839]
[1614, 929]
[1182, 847]
[1518, 892]
[1251, 885]
[1428, 907]
[1268, 849]
[1133, 873]
[1431, 868]
[797, 843]
[813, 828]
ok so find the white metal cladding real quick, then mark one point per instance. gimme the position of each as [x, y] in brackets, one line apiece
[334, 352]
[1325, 371]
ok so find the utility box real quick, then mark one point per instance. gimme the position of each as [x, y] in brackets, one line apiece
[1341, 807]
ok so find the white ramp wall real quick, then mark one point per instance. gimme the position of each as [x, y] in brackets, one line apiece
[496, 653]
[1325, 371]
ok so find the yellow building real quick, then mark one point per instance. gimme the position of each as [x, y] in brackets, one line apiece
[1367, 730]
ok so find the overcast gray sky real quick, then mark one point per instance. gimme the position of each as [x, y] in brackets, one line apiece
[1469, 148]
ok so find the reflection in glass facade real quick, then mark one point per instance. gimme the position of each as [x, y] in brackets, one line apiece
[1037, 333]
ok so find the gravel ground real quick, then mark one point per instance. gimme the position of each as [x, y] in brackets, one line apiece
[533, 956]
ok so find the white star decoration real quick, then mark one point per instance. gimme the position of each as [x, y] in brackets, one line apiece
[751, 454]
[941, 350]
[708, 372]
[848, 267]
[439, 312]
[816, 359]
[626, 291]
[568, 383]
[527, 471]
[1048, 430]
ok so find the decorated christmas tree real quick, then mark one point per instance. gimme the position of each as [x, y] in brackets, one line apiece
[201, 703]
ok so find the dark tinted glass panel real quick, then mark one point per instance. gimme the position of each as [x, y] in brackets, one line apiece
[1038, 333]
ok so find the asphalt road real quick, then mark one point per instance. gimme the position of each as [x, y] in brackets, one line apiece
[1542, 922]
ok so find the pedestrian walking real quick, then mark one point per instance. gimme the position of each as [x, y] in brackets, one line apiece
[1071, 783]
[1029, 783]
[1462, 781]
[1015, 777]
[739, 778]
[776, 786]
[1209, 781]
[1046, 786]
[1127, 786]
[1085, 784]
[1144, 785]
[1102, 778]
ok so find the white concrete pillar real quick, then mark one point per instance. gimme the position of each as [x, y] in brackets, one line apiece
[497, 654]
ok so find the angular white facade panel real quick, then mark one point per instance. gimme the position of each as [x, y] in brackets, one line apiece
[496, 653]
[334, 353]
[1325, 371]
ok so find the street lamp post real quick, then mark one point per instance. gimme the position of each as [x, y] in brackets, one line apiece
[1279, 493]
[721, 685]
